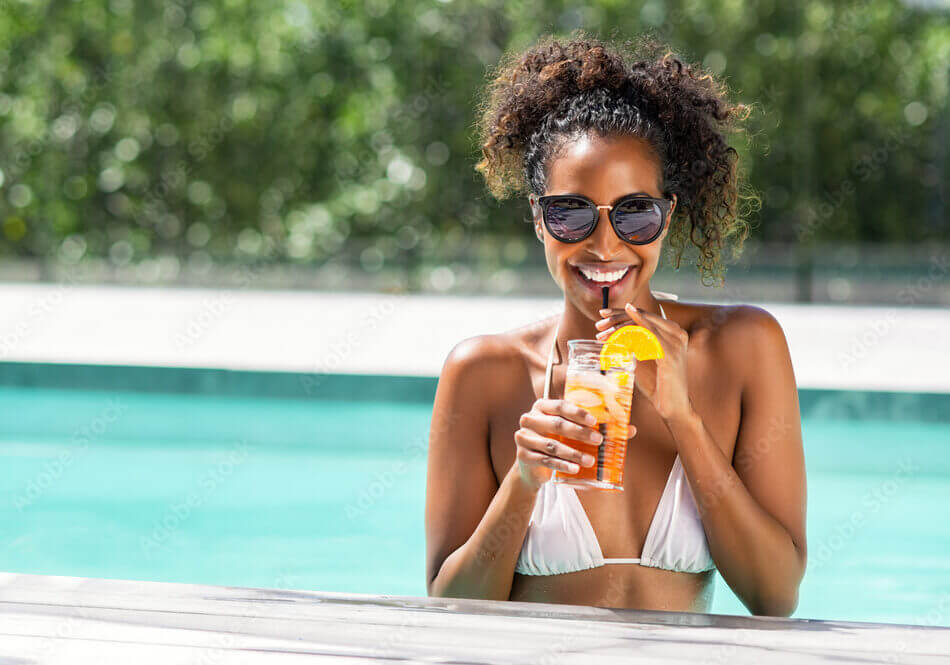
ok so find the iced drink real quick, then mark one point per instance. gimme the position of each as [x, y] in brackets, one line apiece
[607, 396]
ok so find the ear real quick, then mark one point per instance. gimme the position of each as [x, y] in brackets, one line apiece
[536, 216]
[669, 222]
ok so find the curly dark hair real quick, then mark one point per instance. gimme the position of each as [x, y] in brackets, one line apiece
[540, 99]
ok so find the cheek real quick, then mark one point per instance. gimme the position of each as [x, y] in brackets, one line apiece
[647, 256]
[650, 254]
[551, 258]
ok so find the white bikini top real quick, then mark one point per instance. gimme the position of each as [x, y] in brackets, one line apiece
[560, 538]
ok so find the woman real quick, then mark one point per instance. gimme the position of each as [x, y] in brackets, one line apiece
[715, 473]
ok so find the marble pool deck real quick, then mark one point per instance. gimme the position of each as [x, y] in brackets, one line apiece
[45, 619]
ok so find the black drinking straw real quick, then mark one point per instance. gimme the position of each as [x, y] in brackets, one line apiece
[602, 427]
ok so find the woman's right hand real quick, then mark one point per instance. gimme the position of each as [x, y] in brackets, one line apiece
[538, 454]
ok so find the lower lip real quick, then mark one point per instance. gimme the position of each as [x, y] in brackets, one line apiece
[595, 287]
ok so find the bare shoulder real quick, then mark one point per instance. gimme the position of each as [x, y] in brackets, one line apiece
[516, 344]
[482, 363]
[748, 326]
[478, 378]
[720, 322]
[497, 362]
[742, 335]
[489, 351]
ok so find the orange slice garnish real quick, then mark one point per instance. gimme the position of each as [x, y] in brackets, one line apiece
[626, 341]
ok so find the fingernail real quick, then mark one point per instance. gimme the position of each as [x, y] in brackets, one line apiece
[588, 460]
[591, 419]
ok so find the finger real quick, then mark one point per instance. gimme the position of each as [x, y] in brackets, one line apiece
[547, 424]
[604, 334]
[626, 322]
[532, 441]
[551, 462]
[651, 320]
[566, 409]
[661, 328]
[612, 320]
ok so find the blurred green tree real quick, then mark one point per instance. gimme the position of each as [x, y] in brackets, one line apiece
[289, 130]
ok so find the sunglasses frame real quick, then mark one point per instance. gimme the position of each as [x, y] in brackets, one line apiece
[544, 202]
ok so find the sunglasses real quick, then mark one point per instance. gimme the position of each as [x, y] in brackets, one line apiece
[637, 219]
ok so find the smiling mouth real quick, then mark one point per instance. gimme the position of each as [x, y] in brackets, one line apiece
[597, 282]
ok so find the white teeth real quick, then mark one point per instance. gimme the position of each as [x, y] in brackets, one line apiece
[612, 276]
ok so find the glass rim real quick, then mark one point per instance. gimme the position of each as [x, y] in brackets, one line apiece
[597, 344]
[589, 341]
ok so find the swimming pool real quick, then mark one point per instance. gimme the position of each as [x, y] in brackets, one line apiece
[328, 494]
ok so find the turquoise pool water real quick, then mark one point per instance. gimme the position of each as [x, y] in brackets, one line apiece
[329, 495]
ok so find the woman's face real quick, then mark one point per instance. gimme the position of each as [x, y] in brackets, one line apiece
[603, 170]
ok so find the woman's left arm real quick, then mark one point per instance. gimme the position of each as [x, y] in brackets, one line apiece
[752, 507]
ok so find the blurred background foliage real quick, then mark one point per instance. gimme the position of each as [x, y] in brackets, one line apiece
[169, 137]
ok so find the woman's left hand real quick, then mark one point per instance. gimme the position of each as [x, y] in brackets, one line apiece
[662, 381]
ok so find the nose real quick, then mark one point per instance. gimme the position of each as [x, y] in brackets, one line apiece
[604, 241]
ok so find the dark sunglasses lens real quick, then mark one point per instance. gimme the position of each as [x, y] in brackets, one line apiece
[569, 218]
[638, 220]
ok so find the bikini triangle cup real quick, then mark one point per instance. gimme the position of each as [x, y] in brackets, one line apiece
[560, 538]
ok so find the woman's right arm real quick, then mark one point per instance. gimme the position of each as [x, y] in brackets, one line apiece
[474, 526]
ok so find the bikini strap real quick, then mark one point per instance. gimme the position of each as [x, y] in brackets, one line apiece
[666, 296]
[550, 368]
